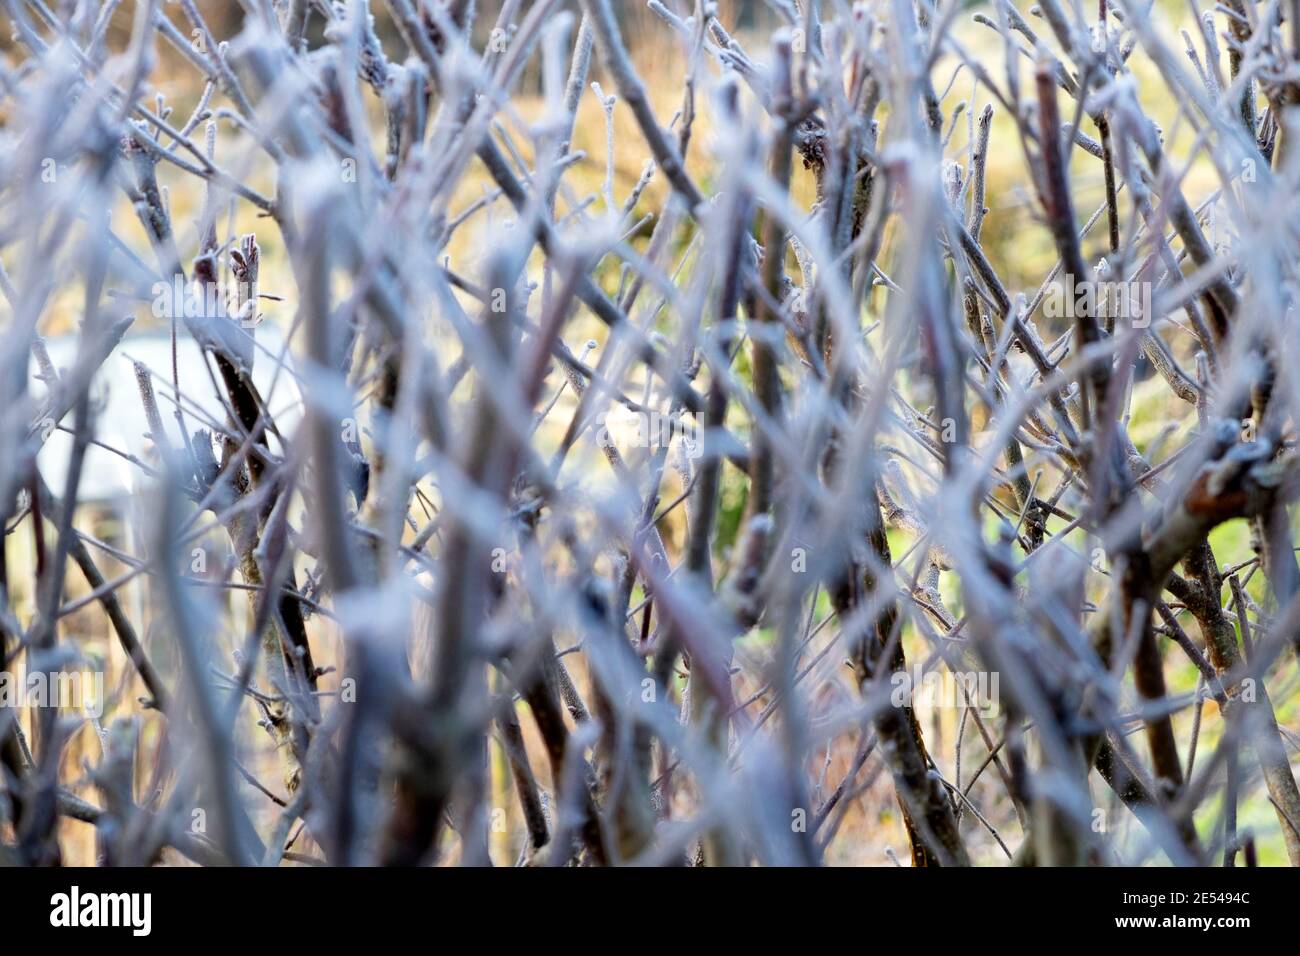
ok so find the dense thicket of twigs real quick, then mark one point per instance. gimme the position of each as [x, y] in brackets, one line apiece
[458, 569]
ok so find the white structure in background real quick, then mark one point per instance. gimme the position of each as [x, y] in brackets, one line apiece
[118, 494]
[111, 486]
[110, 480]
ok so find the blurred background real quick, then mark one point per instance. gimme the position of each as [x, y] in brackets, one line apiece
[117, 490]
